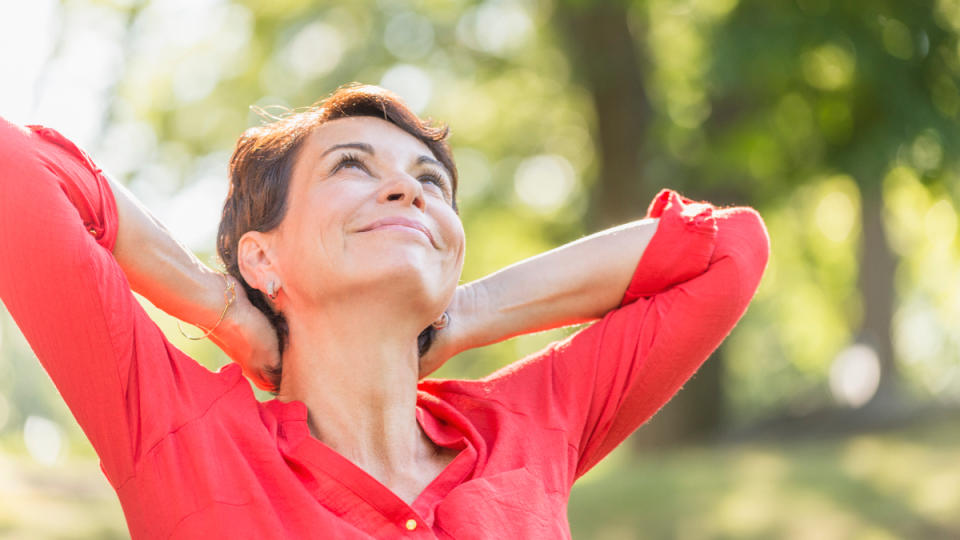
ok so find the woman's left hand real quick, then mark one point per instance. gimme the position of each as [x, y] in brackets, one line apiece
[249, 339]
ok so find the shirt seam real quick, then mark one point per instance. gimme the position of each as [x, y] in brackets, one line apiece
[205, 507]
[120, 384]
[176, 430]
[379, 508]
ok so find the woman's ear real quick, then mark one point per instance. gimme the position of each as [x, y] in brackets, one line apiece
[255, 259]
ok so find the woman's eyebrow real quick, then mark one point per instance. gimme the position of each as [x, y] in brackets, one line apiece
[430, 161]
[355, 145]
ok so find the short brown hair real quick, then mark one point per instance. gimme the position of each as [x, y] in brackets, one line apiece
[262, 164]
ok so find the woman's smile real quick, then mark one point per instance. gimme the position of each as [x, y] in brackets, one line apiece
[403, 228]
[399, 222]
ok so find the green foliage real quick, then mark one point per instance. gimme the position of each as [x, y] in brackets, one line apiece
[805, 109]
[809, 110]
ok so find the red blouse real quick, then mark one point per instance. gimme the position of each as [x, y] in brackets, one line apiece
[192, 453]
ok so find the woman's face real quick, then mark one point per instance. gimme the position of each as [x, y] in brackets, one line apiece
[351, 173]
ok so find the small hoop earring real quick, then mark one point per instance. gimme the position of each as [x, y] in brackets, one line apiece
[273, 290]
[442, 322]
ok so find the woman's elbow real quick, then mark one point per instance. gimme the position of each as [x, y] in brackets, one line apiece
[743, 239]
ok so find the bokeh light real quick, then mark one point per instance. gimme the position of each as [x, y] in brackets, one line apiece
[411, 83]
[496, 27]
[545, 182]
[855, 375]
[4, 411]
[408, 36]
[829, 67]
[315, 50]
[43, 439]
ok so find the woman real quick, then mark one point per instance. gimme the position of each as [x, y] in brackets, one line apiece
[342, 242]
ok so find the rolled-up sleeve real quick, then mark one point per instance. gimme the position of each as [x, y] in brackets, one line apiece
[122, 380]
[693, 283]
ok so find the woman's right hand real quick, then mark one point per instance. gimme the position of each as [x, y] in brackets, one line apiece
[249, 339]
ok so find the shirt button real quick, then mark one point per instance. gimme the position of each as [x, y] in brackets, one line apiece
[411, 524]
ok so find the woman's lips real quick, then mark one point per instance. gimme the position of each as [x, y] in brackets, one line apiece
[401, 223]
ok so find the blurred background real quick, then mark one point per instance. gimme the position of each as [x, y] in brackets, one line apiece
[831, 411]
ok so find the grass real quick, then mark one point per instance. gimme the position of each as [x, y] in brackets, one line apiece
[899, 484]
[902, 484]
[70, 500]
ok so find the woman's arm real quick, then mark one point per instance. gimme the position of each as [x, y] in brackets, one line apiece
[59, 280]
[692, 284]
[574, 283]
[172, 278]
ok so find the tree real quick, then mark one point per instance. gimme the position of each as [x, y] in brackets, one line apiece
[876, 78]
[607, 53]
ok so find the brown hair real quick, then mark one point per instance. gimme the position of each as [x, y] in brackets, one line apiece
[262, 163]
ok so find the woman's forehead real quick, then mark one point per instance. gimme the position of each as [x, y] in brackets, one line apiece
[377, 133]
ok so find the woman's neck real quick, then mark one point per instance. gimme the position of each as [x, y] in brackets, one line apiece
[356, 370]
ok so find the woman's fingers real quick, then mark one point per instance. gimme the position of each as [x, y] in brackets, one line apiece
[451, 340]
[249, 339]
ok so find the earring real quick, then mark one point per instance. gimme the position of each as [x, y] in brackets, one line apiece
[273, 290]
[442, 322]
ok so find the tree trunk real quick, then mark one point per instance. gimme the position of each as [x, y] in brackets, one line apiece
[876, 280]
[608, 64]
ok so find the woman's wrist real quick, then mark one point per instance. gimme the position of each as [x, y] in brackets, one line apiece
[459, 333]
[218, 307]
[573, 284]
[229, 333]
[203, 299]
[464, 313]
[474, 319]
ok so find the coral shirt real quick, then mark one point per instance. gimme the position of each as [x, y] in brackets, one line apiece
[193, 454]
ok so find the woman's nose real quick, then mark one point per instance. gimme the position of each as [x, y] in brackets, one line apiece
[402, 187]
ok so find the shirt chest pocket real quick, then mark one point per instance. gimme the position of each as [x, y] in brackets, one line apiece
[512, 504]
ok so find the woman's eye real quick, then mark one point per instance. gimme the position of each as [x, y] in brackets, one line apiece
[432, 178]
[349, 160]
[437, 181]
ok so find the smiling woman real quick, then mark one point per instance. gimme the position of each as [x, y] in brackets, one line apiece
[262, 166]
[341, 226]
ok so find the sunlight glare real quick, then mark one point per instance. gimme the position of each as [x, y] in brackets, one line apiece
[855, 375]
[195, 77]
[475, 172]
[23, 23]
[545, 182]
[43, 439]
[829, 67]
[408, 36]
[193, 214]
[940, 222]
[410, 83]
[315, 50]
[495, 27]
[917, 335]
[835, 217]
[4, 411]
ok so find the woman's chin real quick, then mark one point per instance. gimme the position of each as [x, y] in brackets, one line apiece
[406, 278]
